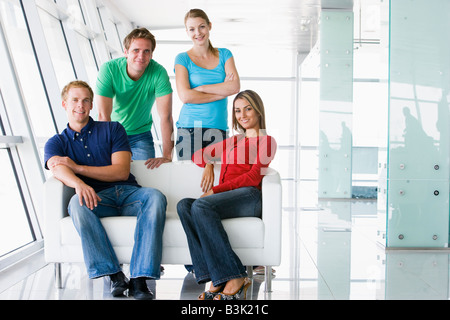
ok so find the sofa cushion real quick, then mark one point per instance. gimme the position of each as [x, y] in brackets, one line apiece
[121, 232]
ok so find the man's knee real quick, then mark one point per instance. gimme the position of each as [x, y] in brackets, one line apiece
[79, 213]
[159, 198]
[156, 201]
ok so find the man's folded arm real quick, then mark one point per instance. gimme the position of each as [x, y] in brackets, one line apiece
[119, 170]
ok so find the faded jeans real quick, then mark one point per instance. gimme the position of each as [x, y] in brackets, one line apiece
[211, 253]
[142, 146]
[147, 204]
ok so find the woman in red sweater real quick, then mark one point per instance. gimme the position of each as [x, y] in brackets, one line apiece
[244, 159]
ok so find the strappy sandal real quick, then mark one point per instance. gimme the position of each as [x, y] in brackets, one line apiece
[210, 295]
[240, 294]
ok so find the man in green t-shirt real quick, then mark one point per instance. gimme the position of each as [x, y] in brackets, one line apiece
[126, 90]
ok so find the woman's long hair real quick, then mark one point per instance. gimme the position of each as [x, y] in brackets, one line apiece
[199, 13]
[256, 102]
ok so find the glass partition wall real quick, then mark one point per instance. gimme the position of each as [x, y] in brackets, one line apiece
[336, 104]
[381, 110]
[418, 165]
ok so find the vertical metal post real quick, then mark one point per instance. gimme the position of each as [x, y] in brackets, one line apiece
[268, 279]
[58, 276]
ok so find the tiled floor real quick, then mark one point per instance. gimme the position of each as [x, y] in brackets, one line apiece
[329, 252]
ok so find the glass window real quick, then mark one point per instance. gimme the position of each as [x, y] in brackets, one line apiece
[88, 58]
[58, 48]
[27, 70]
[85, 44]
[17, 216]
[111, 33]
[122, 31]
[278, 98]
[370, 114]
[74, 10]
[15, 230]
[309, 112]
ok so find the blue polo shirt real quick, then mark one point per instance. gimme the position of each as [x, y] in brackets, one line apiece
[93, 146]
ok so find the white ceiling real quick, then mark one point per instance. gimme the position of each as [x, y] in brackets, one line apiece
[289, 24]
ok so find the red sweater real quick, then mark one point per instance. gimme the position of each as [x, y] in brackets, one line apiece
[243, 160]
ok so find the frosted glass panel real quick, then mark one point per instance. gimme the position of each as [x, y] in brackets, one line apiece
[417, 276]
[418, 178]
[334, 249]
[336, 96]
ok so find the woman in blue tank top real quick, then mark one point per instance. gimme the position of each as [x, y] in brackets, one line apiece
[205, 77]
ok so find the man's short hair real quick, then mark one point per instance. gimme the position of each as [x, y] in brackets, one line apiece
[76, 84]
[139, 33]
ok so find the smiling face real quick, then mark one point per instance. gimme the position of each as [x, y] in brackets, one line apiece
[138, 57]
[198, 31]
[78, 105]
[247, 117]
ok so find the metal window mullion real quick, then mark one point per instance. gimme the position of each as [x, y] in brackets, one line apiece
[111, 31]
[51, 8]
[70, 36]
[95, 35]
[93, 20]
[118, 36]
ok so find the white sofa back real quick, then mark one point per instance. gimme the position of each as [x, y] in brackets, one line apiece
[177, 180]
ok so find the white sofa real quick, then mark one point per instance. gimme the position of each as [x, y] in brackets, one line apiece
[256, 241]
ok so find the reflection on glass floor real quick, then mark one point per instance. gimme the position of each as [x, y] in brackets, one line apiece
[332, 251]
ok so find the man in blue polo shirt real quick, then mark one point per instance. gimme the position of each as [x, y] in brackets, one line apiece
[94, 158]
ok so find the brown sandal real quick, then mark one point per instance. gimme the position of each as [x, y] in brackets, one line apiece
[240, 294]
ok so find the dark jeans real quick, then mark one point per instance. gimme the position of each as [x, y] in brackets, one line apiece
[190, 140]
[211, 253]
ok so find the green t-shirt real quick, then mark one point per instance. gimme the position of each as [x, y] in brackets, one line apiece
[132, 100]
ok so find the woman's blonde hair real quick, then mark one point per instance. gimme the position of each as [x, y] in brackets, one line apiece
[199, 13]
[257, 104]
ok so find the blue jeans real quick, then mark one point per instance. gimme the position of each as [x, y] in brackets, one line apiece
[142, 146]
[190, 140]
[211, 253]
[147, 204]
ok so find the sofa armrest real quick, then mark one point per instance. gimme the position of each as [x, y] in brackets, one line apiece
[271, 213]
[56, 198]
